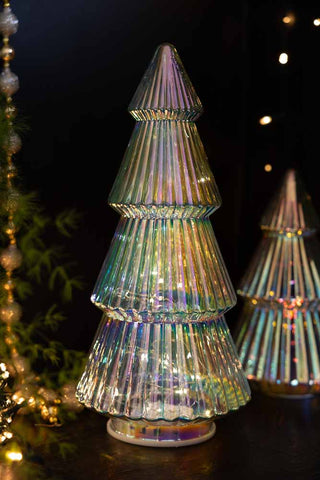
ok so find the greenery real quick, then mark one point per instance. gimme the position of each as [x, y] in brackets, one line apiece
[46, 275]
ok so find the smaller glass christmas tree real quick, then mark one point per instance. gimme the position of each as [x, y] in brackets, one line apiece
[163, 363]
[279, 331]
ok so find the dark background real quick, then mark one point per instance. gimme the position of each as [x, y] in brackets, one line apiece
[79, 63]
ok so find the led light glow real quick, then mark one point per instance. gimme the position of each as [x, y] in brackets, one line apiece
[316, 22]
[265, 120]
[289, 19]
[14, 456]
[283, 58]
[268, 167]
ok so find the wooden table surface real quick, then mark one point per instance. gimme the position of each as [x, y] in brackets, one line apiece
[270, 438]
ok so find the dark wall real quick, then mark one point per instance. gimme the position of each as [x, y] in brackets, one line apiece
[79, 63]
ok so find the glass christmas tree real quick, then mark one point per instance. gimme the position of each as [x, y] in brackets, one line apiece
[163, 364]
[279, 332]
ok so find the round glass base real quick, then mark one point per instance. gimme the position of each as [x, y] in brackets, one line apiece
[284, 390]
[291, 397]
[160, 434]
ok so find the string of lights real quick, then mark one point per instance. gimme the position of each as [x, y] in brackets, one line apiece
[7, 406]
[11, 257]
[28, 395]
[29, 391]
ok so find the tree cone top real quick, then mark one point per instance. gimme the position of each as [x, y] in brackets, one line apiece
[291, 210]
[165, 91]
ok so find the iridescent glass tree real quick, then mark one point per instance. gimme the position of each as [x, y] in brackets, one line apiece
[163, 364]
[279, 331]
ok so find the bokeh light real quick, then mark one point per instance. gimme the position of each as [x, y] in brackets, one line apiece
[265, 120]
[289, 19]
[283, 58]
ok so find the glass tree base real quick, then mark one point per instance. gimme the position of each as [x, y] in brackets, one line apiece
[163, 371]
[297, 392]
[161, 433]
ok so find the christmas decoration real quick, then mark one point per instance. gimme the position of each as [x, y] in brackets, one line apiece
[163, 363]
[35, 389]
[11, 257]
[7, 406]
[278, 339]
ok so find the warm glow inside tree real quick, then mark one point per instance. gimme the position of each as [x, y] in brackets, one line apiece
[163, 363]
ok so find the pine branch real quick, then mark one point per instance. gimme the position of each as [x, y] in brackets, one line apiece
[67, 221]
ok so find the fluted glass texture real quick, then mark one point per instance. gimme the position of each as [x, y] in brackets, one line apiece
[291, 210]
[165, 91]
[281, 347]
[165, 173]
[163, 351]
[163, 372]
[279, 334]
[164, 270]
[284, 270]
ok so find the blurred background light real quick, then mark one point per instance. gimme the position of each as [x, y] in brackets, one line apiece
[265, 120]
[283, 58]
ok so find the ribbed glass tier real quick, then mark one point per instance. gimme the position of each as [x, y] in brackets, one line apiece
[280, 349]
[164, 271]
[291, 209]
[284, 270]
[165, 91]
[163, 372]
[177, 181]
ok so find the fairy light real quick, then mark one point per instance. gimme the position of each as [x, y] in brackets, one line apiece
[14, 456]
[289, 19]
[316, 22]
[268, 167]
[18, 399]
[11, 256]
[7, 406]
[283, 58]
[265, 120]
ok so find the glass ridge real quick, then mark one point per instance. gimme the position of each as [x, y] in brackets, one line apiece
[278, 338]
[284, 270]
[285, 267]
[291, 209]
[163, 351]
[164, 263]
[162, 371]
[281, 347]
[135, 283]
[165, 91]
[165, 165]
